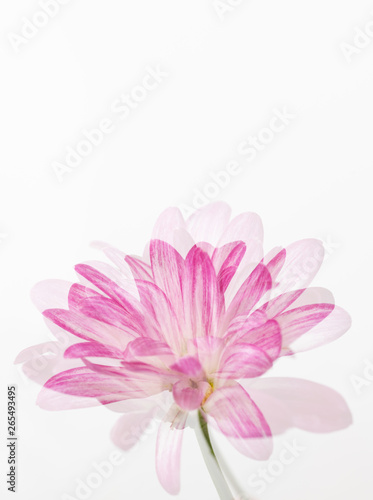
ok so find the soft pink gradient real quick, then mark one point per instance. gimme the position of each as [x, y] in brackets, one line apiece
[200, 310]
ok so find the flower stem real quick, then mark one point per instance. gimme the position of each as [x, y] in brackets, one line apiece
[211, 461]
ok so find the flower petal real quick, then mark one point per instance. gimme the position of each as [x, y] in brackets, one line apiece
[140, 270]
[145, 348]
[85, 383]
[92, 349]
[331, 328]
[247, 226]
[298, 321]
[243, 360]
[209, 223]
[303, 260]
[131, 426]
[203, 301]
[292, 402]
[78, 294]
[189, 396]
[226, 261]
[168, 450]
[88, 328]
[159, 308]
[168, 268]
[188, 365]
[50, 293]
[267, 336]
[170, 221]
[111, 289]
[251, 291]
[234, 413]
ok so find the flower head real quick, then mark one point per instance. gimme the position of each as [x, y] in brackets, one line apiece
[202, 309]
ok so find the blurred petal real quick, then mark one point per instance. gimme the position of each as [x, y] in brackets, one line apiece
[251, 291]
[331, 328]
[189, 396]
[303, 260]
[291, 402]
[188, 365]
[234, 413]
[140, 269]
[168, 450]
[226, 261]
[50, 293]
[92, 349]
[243, 360]
[168, 269]
[297, 322]
[247, 226]
[131, 426]
[81, 382]
[209, 223]
[88, 328]
[267, 336]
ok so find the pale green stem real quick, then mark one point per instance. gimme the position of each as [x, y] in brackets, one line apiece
[210, 459]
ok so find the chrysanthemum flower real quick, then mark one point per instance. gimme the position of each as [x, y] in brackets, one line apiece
[201, 311]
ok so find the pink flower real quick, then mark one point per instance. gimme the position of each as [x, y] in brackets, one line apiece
[200, 310]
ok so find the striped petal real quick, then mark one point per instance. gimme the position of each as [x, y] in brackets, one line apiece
[203, 301]
[168, 450]
[234, 413]
[243, 360]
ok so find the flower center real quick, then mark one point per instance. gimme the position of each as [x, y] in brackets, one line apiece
[208, 393]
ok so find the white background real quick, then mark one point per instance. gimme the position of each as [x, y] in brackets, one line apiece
[226, 74]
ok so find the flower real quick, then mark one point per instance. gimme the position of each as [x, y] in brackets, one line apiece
[201, 310]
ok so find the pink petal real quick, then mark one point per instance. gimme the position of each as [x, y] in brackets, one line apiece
[159, 308]
[243, 324]
[243, 360]
[92, 349]
[251, 291]
[226, 261]
[253, 256]
[131, 426]
[118, 258]
[188, 365]
[109, 312]
[50, 293]
[189, 396]
[234, 413]
[303, 260]
[141, 379]
[203, 301]
[297, 322]
[266, 336]
[88, 328]
[111, 289]
[277, 305]
[331, 328]
[140, 269]
[168, 451]
[145, 347]
[209, 223]
[122, 280]
[168, 268]
[78, 294]
[170, 221]
[208, 350]
[292, 402]
[247, 226]
[183, 242]
[84, 383]
[275, 265]
[41, 362]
